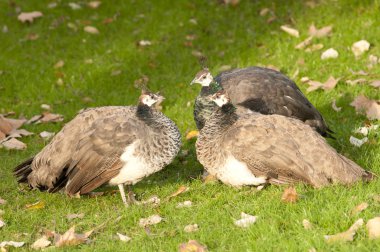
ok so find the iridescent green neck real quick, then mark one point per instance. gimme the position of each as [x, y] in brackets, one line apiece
[215, 87]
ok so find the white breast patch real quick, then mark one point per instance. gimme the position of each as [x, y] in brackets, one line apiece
[237, 173]
[134, 169]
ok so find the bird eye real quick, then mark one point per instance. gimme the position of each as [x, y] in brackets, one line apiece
[204, 77]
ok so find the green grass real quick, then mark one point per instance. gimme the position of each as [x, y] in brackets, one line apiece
[236, 36]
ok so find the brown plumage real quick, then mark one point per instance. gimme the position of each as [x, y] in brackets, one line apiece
[251, 149]
[114, 145]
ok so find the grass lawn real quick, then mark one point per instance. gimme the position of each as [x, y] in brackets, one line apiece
[227, 35]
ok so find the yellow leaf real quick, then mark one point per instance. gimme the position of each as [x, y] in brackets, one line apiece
[192, 134]
[37, 205]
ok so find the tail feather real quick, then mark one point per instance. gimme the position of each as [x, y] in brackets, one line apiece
[22, 171]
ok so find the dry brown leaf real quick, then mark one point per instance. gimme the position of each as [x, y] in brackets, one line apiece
[29, 16]
[357, 81]
[319, 33]
[144, 43]
[37, 205]
[13, 144]
[154, 201]
[264, 12]
[291, 31]
[373, 228]
[2, 201]
[191, 228]
[11, 244]
[2, 135]
[50, 117]
[94, 4]
[360, 72]
[307, 224]
[290, 195]
[375, 83]
[151, 220]
[192, 134]
[246, 220]
[347, 235]
[192, 246]
[5, 126]
[197, 54]
[41, 243]
[59, 64]
[180, 190]
[360, 47]
[75, 216]
[46, 135]
[20, 133]
[370, 107]
[70, 238]
[304, 43]
[123, 238]
[231, 2]
[328, 85]
[314, 48]
[359, 208]
[2, 223]
[91, 29]
[32, 36]
[335, 107]
[75, 6]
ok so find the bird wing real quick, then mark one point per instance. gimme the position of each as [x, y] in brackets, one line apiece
[267, 150]
[97, 157]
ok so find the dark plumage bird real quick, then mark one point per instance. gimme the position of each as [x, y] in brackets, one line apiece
[260, 90]
[254, 149]
[105, 145]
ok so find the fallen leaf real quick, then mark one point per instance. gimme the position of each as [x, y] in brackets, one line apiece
[46, 135]
[330, 53]
[91, 29]
[41, 243]
[12, 244]
[208, 178]
[29, 16]
[2, 201]
[32, 36]
[246, 220]
[124, 238]
[290, 195]
[375, 83]
[75, 216]
[37, 205]
[45, 106]
[70, 238]
[360, 72]
[192, 134]
[154, 200]
[75, 6]
[192, 246]
[319, 33]
[307, 224]
[180, 190]
[264, 12]
[88, 61]
[328, 85]
[359, 208]
[34, 119]
[20, 133]
[360, 47]
[13, 144]
[357, 81]
[291, 31]
[184, 204]
[2, 135]
[151, 220]
[2, 223]
[305, 79]
[191, 228]
[304, 43]
[370, 107]
[197, 54]
[144, 43]
[59, 64]
[50, 117]
[335, 107]
[373, 228]
[314, 48]
[94, 4]
[231, 2]
[358, 142]
[116, 72]
[347, 235]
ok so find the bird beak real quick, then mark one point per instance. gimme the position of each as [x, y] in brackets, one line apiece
[193, 81]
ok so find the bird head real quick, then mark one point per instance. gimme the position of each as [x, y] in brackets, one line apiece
[220, 98]
[148, 98]
[203, 77]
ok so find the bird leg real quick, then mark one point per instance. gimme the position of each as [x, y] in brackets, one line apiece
[122, 193]
[131, 196]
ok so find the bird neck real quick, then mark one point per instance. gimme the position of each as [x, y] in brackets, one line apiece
[220, 120]
[144, 113]
[211, 89]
